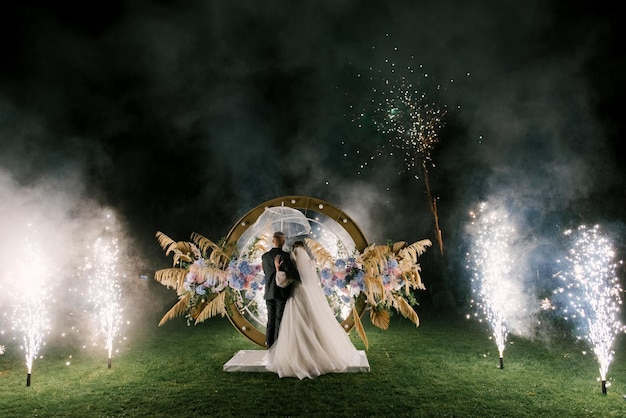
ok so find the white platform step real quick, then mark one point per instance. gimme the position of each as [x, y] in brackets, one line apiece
[254, 361]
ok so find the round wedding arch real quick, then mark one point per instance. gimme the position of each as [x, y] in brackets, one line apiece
[318, 212]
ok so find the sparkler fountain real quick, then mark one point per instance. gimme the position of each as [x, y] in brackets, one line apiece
[30, 311]
[104, 288]
[592, 292]
[491, 259]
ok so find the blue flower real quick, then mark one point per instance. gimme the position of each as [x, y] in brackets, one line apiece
[244, 268]
[326, 274]
[236, 282]
[200, 290]
[340, 264]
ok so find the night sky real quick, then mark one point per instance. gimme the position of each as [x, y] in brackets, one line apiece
[181, 116]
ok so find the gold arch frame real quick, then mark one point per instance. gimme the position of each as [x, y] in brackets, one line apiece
[297, 202]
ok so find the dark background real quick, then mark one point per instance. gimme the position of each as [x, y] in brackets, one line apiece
[182, 116]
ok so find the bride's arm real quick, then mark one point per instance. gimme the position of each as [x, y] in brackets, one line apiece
[290, 267]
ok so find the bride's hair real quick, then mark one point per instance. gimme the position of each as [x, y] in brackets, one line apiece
[298, 244]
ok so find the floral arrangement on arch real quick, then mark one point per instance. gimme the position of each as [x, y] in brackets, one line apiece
[208, 278]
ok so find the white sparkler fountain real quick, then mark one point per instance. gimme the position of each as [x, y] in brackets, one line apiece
[30, 311]
[593, 293]
[105, 289]
[491, 260]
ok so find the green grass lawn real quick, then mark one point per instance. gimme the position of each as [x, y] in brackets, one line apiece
[446, 367]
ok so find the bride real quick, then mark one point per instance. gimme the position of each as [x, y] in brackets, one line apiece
[310, 342]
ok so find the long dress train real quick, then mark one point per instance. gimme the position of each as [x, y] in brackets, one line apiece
[311, 342]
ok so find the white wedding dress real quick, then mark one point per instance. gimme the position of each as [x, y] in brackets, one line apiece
[311, 342]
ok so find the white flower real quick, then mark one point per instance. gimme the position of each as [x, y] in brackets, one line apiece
[2, 349]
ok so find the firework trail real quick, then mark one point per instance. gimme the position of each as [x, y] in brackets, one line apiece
[410, 124]
[498, 293]
[592, 292]
[105, 289]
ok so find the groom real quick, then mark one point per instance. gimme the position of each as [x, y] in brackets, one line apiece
[275, 296]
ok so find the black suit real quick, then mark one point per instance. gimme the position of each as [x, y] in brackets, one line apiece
[275, 296]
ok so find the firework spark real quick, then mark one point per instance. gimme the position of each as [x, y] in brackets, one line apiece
[105, 290]
[497, 293]
[410, 123]
[592, 292]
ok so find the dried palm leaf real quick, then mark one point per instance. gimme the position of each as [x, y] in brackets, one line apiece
[216, 256]
[368, 249]
[373, 287]
[166, 242]
[413, 251]
[359, 327]
[207, 272]
[184, 247]
[195, 251]
[397, 246]
[212, 308]
[171, 278]
[375, 259]
[180, 256]
[375, 251]
[203, 243]
[407, 310]
[380, 318]
[413, 279]
[178, 309]
[319, 252]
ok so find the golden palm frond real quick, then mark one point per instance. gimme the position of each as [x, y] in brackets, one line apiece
[212, 308]
[184, 247]
[373, 287]
[195, 251]
[166, 242]
[380, 318]
[413, 279]
[319, 252]
[407, 310]
[172, 277]
[182, 250]
[413, 251]
[397, 246]
[374, 251]
[374, 259]
[217, 256]
[178, 309]
[207, 272]
[359, 327]
[180, 256]
[203, 243]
